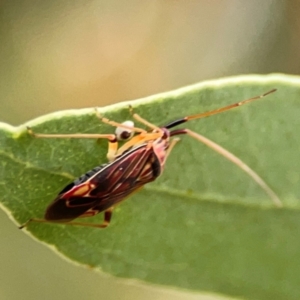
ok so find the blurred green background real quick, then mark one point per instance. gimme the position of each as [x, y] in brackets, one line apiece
[83, 53]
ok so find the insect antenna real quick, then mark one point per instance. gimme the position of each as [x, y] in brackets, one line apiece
[217, 111]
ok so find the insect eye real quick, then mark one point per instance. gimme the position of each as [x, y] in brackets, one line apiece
[124, 133]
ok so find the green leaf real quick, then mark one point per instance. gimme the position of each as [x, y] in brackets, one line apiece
[204, 224]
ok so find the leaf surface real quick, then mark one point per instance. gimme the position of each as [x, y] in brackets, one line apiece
[204, 224]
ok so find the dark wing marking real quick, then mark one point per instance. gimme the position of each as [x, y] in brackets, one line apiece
[126, 174]
[58, 210]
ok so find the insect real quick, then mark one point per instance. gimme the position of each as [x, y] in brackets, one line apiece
[137, 162]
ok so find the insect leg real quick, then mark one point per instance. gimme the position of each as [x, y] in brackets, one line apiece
[116, 124]
[25, 224]
[110, 137]
[107, 218]
[238, 162]
[112, 150]
[112, 144]
[142, 120]
[38, 221]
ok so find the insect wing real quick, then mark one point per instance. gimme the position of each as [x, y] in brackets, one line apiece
[66, 209]
[108, 186]
[122, 175]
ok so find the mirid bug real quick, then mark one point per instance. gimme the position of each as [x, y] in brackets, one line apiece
[137, 162]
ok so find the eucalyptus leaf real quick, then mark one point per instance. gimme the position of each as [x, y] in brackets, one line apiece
[204, 225]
